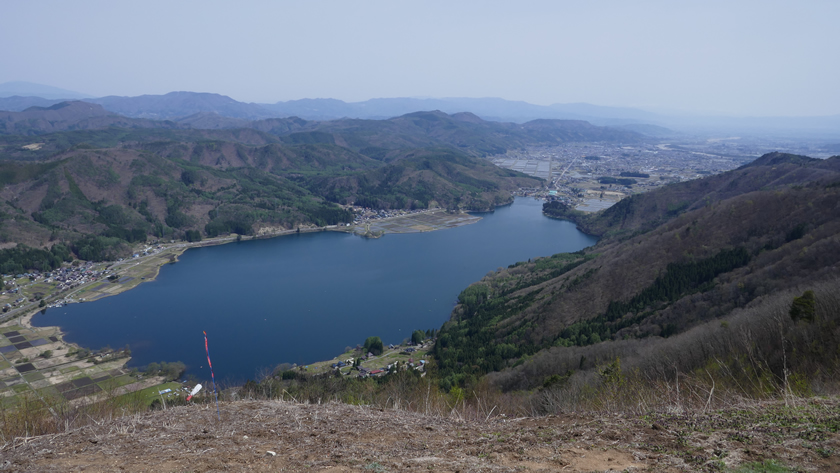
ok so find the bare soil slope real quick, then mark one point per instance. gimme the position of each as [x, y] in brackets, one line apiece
[285, 436]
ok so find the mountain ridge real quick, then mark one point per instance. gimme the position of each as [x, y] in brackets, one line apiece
[176, 105]
[768, 213]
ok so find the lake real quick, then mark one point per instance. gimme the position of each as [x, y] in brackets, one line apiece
[305, 297]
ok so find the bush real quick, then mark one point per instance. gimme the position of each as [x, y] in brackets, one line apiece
[192, 235]
[803, 307]
[374, 345]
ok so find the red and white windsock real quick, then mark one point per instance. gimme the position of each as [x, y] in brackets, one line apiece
[195, 390]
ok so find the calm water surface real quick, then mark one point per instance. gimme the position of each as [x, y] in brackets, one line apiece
[303, 298]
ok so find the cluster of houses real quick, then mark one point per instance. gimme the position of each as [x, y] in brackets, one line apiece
[395, 366]
[17, 301]
[364, 372]
[13, 288]
[148, 251]
[364, 214]
[69, 278]
[64, 278]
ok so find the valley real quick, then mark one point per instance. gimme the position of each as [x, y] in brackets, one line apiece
[715, 267]
[443, 236]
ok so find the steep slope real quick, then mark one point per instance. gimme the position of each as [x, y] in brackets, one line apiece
[642, 212]
[726, 242]
[126, 194]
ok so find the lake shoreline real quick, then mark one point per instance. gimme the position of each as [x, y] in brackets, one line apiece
[171, 255]
[288, 281]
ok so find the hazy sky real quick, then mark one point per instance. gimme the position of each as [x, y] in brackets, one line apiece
[737, 57]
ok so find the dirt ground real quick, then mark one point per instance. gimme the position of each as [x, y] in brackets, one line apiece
[286, 436]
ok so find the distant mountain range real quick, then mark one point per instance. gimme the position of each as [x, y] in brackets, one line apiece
[29, 89]
[18, 96]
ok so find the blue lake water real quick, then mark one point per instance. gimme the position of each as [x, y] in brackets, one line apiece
[305, 297]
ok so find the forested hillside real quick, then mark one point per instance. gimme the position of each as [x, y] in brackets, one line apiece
[684, 256]
[76, 173]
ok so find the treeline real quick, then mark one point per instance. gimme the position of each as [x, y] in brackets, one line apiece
[476, 343]
[473, 344]
[22, 258]
[622, 181]
[678, 280]
[634, 174]
[393, 201]
[98, 248]
[169, 370]
[557, 209]
[764, 351]
[241, 225]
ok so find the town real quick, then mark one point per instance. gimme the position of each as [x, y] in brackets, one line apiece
[594, 176]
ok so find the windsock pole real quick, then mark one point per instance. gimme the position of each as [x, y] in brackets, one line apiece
[212, 376]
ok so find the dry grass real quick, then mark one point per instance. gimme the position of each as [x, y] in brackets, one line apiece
[341, 437]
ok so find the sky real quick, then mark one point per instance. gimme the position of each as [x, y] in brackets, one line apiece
[740, 58]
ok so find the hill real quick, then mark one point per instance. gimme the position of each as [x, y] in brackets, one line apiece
[180, 104]
[463, 131]
[17, 103]
[64, 167]
[672, 263]
[62, 116]
[127, 179]
[495, 109]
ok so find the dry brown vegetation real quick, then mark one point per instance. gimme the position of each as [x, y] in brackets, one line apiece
[788, 229]
[278, 435]
[737, 379]
[757, 353]
[759, 221]
[34, 415]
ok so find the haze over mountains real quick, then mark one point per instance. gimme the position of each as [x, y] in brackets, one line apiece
[121, 179]
[18, 96]
[29, 89]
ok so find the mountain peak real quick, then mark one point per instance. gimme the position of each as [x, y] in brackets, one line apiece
[468, 117]
[77, 108]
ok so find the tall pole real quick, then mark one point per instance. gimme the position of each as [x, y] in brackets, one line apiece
[212, 376]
